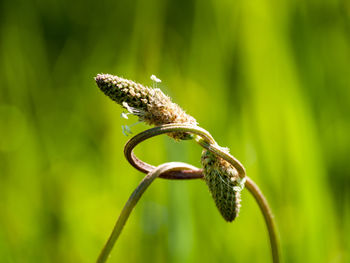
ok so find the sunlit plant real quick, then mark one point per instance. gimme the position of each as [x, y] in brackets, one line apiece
[224, 174]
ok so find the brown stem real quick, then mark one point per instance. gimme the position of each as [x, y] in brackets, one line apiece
[203, 138]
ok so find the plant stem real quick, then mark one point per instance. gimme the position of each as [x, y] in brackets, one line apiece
[268, 216]
[202, 137]
[206, 141]
[216, 149]
[132, 201]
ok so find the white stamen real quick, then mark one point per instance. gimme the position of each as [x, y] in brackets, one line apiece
[124, 115]
[155, 79]
[132, 110]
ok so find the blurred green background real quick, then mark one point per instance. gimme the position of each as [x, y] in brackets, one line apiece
[269, 79]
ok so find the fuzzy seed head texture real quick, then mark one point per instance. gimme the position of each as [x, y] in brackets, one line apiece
[150, 105]
[224, 184]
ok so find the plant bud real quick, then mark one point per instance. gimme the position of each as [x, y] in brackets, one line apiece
[224, 184]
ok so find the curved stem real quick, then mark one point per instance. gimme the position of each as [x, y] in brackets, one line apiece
[212, 146]
[268, 216]
[132, 201]
[204, 139]
[216, 149]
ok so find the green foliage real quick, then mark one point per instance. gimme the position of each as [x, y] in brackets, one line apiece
[269, 80]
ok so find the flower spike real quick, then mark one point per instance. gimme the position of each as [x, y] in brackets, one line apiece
[150, 105]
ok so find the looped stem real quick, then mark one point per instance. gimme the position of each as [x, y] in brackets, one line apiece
[207, 142]
[202, 137]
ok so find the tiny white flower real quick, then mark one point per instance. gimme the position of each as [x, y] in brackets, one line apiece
[124, 115]
[127, 107]
[131, 110]
[241, 182]
[155, 79]
[237, 188]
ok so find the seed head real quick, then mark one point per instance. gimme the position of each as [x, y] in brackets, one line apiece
[224, 184]
[151, 105]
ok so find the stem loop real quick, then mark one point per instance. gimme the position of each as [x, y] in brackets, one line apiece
[182, 171]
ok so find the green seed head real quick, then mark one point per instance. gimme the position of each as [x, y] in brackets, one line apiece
[151, 105]
[224, 184]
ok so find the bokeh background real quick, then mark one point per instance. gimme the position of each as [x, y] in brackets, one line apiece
[269, 79]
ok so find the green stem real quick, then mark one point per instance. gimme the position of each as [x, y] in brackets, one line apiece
[206, 141]
[132, 201]
[268, 216]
